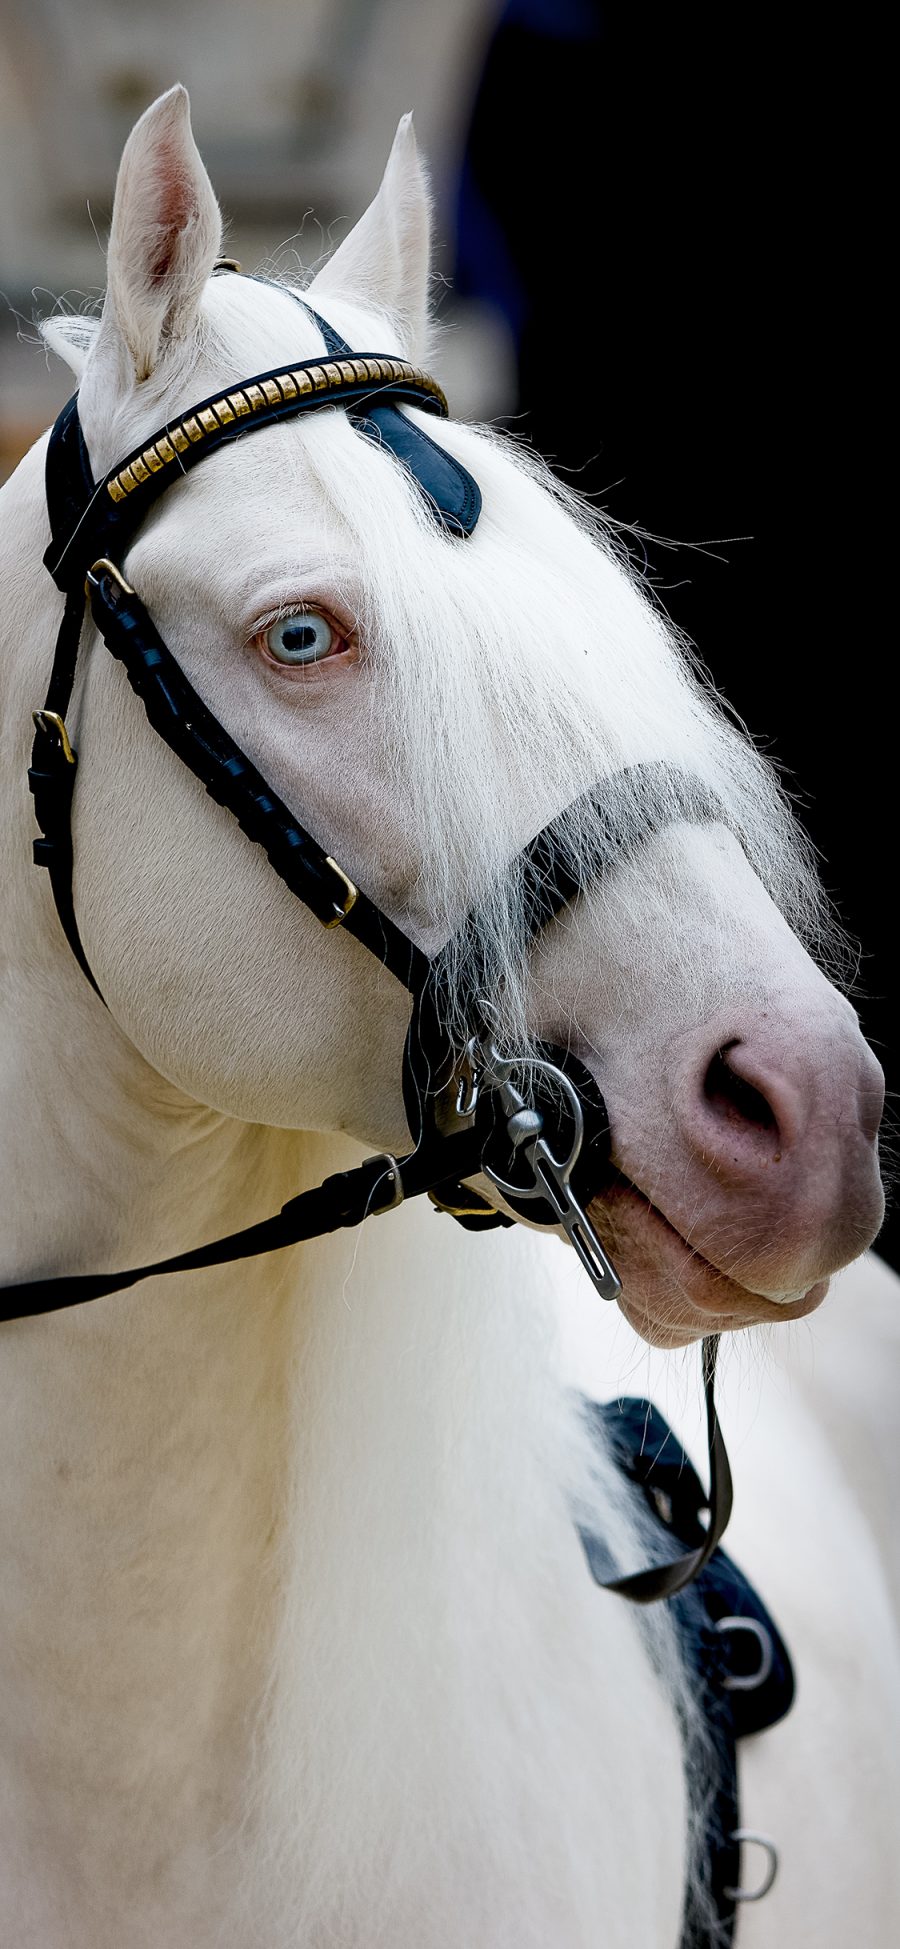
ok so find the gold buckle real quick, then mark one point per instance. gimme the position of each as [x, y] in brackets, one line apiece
[483, 1210]
[351, 894]
[103, 563]
[50, 722]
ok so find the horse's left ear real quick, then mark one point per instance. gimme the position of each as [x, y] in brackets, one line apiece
[384, 260]
[166, 233]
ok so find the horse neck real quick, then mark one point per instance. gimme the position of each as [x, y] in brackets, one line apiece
[337, 1481]
[306, 1523]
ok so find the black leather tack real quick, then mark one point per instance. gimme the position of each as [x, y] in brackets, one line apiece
[450, 491]
[650, 1455]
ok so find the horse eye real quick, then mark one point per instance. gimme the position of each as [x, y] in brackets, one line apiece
[306, 638]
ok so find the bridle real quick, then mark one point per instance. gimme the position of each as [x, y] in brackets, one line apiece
[536, 1127]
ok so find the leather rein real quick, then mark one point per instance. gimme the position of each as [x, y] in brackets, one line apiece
[536, 1127]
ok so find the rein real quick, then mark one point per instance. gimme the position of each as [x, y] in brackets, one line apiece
[537, 1128]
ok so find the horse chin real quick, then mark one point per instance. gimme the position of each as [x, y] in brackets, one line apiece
[671, 1294]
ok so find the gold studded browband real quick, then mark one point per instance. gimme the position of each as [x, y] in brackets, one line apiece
[89, 519]
[331, 381]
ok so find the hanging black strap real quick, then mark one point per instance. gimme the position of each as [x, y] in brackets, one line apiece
[666, 1579]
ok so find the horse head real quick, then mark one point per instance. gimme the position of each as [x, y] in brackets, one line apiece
[426, 704]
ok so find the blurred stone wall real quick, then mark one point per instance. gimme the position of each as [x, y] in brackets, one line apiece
[294, 104]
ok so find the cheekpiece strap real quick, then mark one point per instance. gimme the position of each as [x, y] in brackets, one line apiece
[179, 716]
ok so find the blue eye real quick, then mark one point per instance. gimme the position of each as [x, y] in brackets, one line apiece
[306, 638]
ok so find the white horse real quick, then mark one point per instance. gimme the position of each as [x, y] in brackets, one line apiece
[297, 1642]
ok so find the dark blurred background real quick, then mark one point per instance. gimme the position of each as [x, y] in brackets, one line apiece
[667, 277]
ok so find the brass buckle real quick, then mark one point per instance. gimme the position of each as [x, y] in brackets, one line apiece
[351, 894]
[482, 1210]
[103, 564]
[52, 724]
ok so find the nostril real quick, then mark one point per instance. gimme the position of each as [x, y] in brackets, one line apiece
[733, 1098]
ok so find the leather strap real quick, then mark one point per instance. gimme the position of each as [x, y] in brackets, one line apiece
[667, 1579]
[344, 1200]
[741, 1671]
[51, 779]
[89, 520]
[185, 724]
[451, 491]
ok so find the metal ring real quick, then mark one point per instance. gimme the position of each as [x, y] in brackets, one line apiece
[741, 1835]
[736, 1681]
[390, 1176]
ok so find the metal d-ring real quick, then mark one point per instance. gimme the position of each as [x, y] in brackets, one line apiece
[737, 1681]
[749, 1834]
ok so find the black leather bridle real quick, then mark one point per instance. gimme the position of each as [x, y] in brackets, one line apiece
[536, 1127]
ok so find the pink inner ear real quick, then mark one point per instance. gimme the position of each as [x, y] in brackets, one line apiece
[178, 204]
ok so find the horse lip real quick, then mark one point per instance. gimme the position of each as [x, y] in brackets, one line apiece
[614, 1174]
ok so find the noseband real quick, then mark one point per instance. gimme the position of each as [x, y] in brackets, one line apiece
[535, 1127]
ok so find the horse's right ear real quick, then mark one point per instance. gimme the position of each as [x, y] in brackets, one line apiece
[166, 234]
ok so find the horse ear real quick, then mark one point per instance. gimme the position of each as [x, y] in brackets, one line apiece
[166, 233]
[384, 260]
[72, 337]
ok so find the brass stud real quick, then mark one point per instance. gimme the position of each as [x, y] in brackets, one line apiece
[208, 420]
[115, 491]
[273, 392]
[179, 439]
[165, 450]
[152, 459]
[240, 404]
[288, 386]
[255, 396]
[222, 411]
[304, 381]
